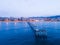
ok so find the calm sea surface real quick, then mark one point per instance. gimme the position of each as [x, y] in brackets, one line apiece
[20, 33]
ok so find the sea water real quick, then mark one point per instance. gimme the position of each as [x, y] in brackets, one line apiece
[20, 33]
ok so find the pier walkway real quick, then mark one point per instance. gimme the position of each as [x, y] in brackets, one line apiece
[42, 34]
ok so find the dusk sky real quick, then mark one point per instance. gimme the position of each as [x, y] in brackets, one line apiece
[26, 8]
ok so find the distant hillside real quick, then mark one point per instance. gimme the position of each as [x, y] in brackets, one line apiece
[55, 16]
[48, 17]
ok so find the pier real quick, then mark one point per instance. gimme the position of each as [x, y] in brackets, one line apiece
[39, 33]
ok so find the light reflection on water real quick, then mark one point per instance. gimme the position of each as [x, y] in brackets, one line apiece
[21, 34]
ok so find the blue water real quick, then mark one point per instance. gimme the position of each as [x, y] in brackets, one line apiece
[20, 33]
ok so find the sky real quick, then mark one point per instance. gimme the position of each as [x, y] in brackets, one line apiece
[29, 8]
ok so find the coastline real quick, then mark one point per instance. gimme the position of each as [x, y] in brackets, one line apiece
[29, 21]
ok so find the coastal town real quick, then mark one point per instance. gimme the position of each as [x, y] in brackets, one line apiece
[32, 19]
